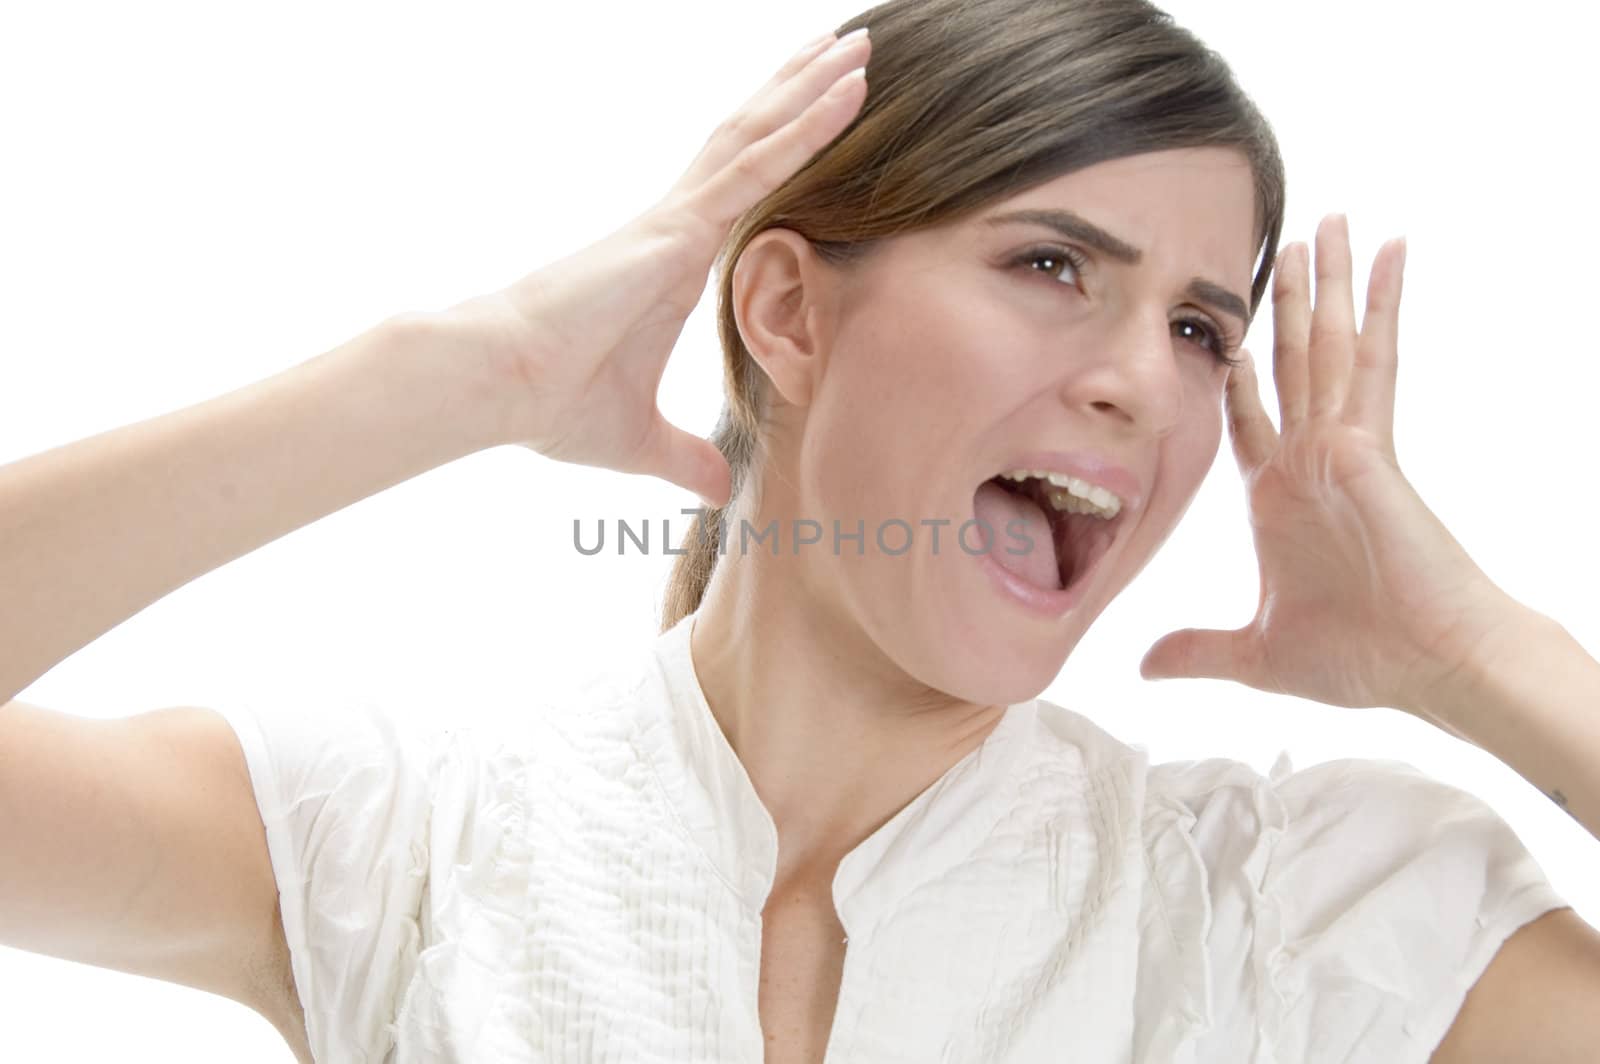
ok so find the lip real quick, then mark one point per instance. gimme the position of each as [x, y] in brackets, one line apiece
[1092, 466]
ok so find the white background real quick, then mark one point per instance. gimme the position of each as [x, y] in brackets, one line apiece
[197, 196]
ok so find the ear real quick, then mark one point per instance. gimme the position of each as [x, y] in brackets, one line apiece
[782, 301]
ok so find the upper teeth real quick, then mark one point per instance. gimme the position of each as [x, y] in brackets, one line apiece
[1071, 494]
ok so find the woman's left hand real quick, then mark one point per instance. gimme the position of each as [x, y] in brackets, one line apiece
[1366, 598]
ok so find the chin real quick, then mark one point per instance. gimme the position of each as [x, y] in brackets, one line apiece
[993, 669]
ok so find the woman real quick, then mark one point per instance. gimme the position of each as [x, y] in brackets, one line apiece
[827, 813]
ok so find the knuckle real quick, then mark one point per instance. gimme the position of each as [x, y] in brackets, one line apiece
[748, 165]
[734, 126]
[1324, 331]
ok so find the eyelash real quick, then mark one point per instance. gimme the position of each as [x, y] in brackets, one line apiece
[1222, 342]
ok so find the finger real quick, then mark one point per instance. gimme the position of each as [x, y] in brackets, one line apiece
[1249, 427]
[719, 148]
[775, 106]
[687, 460]
[1198, 653]
[1291, 328]
[1333, 322]
[784, 133]
[1372, 383]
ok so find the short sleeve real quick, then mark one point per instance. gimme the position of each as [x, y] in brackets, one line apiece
[344, 795]
[1354, 904]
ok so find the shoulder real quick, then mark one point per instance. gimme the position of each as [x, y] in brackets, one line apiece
[1341, 837]
[1346, 907]
[1333, 828]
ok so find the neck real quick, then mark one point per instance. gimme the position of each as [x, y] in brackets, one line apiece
[836, 738]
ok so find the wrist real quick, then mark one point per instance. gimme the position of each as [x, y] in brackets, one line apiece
[1478, 688]
[445, 359]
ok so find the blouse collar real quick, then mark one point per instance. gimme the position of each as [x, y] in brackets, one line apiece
[709, 789]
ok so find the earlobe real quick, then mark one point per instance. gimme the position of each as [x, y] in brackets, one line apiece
[778, 299]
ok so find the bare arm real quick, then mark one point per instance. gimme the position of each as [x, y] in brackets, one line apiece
[94, 531]
[137, 843]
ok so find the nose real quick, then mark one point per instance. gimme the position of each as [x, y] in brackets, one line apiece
[1132, 374]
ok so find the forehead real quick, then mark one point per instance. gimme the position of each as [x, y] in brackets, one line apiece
[1189, 209]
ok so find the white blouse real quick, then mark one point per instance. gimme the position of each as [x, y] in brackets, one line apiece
[593, 892]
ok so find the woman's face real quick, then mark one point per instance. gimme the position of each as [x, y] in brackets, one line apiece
[952, 352]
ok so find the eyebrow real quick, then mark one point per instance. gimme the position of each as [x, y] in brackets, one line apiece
[1076, 227]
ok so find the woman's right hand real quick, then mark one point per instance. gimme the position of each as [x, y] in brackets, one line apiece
[578, 347]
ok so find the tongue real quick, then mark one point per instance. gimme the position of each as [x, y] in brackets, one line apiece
[996, 507]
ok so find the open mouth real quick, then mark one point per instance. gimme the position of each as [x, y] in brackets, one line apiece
[1077, 540]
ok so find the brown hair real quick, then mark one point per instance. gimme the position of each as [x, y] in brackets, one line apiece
[970, 102]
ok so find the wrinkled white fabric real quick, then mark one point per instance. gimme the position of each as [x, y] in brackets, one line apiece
[592, 892]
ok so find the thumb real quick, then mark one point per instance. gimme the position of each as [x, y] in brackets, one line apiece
[689, 461]
[1195, 653]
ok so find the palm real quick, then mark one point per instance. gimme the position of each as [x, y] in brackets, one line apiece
[1365, 597]
[579, 347]
[609, 416]
[1324, 514]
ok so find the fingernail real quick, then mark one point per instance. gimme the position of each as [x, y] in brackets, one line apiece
[850, 38]
[1402, 253]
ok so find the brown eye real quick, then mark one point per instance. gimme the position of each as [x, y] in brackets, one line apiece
[1213, 339]
[1060, 256]
[1218, 343]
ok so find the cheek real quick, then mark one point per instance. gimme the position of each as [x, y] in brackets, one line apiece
[1209, 430]
[1188, 453]
[940, 344]
[1185, 457]
[863, 426]
[910, 379]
